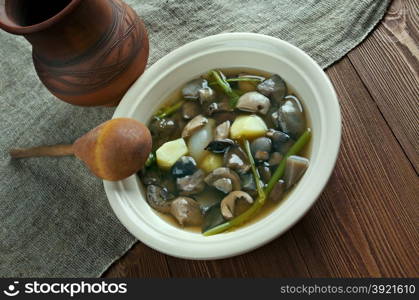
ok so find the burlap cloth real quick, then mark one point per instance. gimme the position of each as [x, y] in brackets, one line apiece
[55, 220]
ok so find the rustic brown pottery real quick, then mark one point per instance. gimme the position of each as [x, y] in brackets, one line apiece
[86, 52]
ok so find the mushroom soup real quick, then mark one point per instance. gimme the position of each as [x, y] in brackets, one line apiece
[227, 148]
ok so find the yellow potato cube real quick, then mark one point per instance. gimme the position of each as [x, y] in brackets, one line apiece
[170, 152]
[211, 162]
[249, 127]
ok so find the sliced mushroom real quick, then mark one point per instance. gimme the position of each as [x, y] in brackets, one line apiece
[207, 200]
[273, 87]
[212, 218]
[190, 109]
[224, 185]
[180, 123]
[291, 118]
[220, 146]
[221, 117]
[159, 198]
[162, 126]
[229, 202]
[191, 89]
[249, 184]
[236, 159]
[254, 102]
[191, 184]
[223, 172]
[194, 125]
[265, 173]
[275, 159]
[261, 155]
[281, 141]
[186, 211]
[261, 147]
[168, 182]
[278, 191]
[295, 168]
[184, 166]
[222, 131]
[272, 119]
[261, 143]
[162, 130]
[206, 94]
[150, 176]
[217, 107]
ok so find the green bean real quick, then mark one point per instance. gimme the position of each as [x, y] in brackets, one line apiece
[255, 172]
[262, 196]
[167, 111]
[225, 86]
[237, 79]
[150, 160]
[237, 220]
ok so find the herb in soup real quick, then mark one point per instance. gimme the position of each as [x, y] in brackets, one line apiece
[225, 148]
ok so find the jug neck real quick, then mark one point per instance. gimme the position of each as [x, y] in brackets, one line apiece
[80, 25]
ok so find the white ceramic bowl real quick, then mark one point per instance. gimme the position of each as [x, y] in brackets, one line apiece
[247, 50]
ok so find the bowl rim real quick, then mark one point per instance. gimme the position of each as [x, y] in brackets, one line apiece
[168, 246]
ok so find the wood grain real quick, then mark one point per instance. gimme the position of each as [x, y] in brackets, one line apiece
[365, 224]
[139, 261]
[388, 65]
[280, 258]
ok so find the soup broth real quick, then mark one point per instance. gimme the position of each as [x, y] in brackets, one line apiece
[168, 179]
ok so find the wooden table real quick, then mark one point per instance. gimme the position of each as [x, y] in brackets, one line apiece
[365, 224]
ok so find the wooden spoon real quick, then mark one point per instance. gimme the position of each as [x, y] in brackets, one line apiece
[114, 150]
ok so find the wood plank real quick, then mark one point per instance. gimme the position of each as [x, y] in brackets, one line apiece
[140, 261]
[388, 64]
[365, 223]
[280, 258]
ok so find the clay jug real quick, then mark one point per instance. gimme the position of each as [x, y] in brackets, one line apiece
[86, 52]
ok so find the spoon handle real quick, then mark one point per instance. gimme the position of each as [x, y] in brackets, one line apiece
[56, 150]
